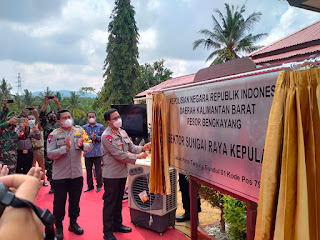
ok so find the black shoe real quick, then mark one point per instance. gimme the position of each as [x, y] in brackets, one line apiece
[183, 218]
[98, 189]
[123, 229]
[59, 232]
[109, 236]
[45, 184]
[88, 189]
[51, 190]
[74, 227]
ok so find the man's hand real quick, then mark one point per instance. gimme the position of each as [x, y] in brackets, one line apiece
[142, 155]
[80, 142]
[93, 136]
[5, 103]
[26, 123]
[34, 127]
[55, 100]
[25, 111]
[68, 142]
[35, 112]
[12, 121]
[147, 147]
[3, 170]
[37, 173]
[25, 187]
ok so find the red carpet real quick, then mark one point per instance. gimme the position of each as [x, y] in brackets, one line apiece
[90, 219]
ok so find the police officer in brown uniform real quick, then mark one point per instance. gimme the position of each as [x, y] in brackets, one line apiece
[64, 147]
[118, 151]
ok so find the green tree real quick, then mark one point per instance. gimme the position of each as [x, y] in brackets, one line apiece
[59, 96]
[152, 74]
[5, 89]
[74, 105]
[27, 98]
[121, 65]
[51, 105]
[85, 90]
[232, 36]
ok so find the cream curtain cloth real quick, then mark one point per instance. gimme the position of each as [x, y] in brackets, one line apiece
[159, 175]
[289, 201]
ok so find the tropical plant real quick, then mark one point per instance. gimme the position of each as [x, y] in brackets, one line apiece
[73, 104]
[152, 74]
[121, 65]
[235, 213]
[215, 198]
[232, 36]
[5, 88]
[27, 98]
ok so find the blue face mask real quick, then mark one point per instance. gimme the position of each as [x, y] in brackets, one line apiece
[32, 123]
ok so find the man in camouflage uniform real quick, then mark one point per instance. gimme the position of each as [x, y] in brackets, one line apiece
[48, 123]
[9, 139]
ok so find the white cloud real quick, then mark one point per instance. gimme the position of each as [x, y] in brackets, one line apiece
[148, 39]
[290, 22]
[182, 67]
[62, 44]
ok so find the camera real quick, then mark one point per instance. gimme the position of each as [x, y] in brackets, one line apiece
[9, 100]
[20, 120]
[49, 97]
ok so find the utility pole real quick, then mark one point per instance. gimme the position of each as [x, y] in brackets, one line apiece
[19, 85]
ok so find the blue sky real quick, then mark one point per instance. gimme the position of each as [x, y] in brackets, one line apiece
[61, 44]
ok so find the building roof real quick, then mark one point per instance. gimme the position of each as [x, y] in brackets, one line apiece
[300, 45]
[293, 53]
[305, 35]
[172, 82]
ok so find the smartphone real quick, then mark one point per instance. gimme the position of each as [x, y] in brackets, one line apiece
[20, 120]
[10, 101]
[30, 108]
[50, 97]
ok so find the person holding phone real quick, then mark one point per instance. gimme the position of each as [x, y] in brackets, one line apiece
[25, 153]
[9, 138]
[48, 122]
[37, 145]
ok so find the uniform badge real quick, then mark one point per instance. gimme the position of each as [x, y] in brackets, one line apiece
[123, 134]
[77, 132]
[50, 137]
[109, 138]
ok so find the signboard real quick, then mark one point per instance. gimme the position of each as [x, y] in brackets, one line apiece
[217, 131]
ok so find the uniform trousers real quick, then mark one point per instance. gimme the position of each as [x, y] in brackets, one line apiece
[112, 206]
[38, 156]
[89, 161]
[24, 161]
[184, 188]
[61, 188]
[48, 166]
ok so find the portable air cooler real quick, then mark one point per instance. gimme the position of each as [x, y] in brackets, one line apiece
[157, 213]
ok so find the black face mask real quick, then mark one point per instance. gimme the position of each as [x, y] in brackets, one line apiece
[52, 118]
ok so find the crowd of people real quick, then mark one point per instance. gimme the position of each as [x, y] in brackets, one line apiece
[53, 141]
